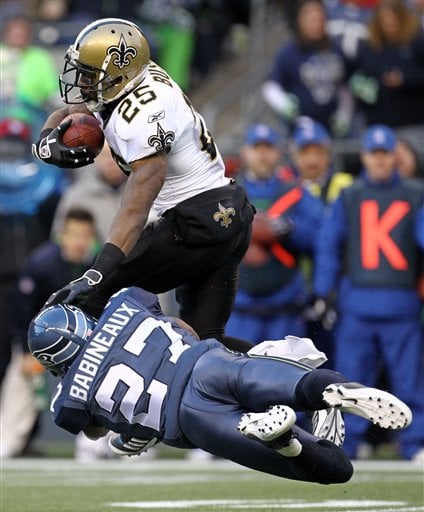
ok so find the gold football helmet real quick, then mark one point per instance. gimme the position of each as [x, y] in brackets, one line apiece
[107, 60]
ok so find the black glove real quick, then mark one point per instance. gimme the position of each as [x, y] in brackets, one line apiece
[80, 287]
[49, 148]
[321, 310]
[122, 445]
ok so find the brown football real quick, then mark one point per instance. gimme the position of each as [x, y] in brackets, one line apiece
[85, 130]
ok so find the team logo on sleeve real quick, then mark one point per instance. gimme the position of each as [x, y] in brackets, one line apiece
[122, 53]
[162, 140]
[223, 215]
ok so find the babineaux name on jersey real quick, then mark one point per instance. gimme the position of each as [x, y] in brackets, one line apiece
[97, 349]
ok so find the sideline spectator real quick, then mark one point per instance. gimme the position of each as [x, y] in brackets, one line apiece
[389, 77]
[418, 7]
[48, 267]
[310, 153]
[309, 74]
[311, 157]
[272, 291]
[370, 249]
[97, 189]
[29, 193]
[407, 160]
[28, 76]
[348, 22]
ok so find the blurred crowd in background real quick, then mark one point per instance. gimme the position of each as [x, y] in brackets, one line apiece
[342, 66]
[186, 36]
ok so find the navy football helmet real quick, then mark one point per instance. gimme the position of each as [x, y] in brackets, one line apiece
[56, 335]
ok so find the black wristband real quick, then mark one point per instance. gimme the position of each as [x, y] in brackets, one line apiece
[109, 258]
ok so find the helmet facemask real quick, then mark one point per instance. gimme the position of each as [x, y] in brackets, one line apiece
[84, 84]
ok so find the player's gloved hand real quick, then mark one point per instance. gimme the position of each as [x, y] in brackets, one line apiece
[122, 445]
[321, 310]
[50, 149]
[82, 286]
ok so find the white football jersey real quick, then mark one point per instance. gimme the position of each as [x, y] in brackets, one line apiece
[155, 116]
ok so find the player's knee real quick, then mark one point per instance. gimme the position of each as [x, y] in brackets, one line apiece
[339, 469]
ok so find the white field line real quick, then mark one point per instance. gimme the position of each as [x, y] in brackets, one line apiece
[86, 479]
[140, 465]
[65, 472]
[92, 477]
[89, 480]
[345, 505]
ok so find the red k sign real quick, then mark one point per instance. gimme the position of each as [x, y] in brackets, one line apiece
[375, 234]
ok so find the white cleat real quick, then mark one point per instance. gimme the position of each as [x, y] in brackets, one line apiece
[272, 428]
[381, 408]
[329, 424]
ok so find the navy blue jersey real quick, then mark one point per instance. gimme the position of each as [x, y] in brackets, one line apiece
[136, 362]
[314, 76]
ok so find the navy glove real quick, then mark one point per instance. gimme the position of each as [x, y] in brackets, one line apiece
[122, 445]
[82, 286]
[50, 149]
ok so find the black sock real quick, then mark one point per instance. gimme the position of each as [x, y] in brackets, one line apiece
[310, 388]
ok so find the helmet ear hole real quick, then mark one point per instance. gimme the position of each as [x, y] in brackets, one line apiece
[118, 80]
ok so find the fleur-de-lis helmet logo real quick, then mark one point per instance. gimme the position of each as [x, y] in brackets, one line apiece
[122, 53]
[223, 215]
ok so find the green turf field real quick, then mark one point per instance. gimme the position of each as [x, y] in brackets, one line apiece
[61, 485]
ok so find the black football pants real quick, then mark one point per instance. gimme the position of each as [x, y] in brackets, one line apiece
[205, 277]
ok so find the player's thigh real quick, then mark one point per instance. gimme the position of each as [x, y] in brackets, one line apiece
[159, 263]
[254, 382]
[206, 298]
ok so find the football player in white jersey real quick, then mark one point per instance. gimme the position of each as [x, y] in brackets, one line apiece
[182, 224]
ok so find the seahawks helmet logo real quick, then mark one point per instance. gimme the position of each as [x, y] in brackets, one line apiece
[122, 52]
[162, 140]
[223, 215]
